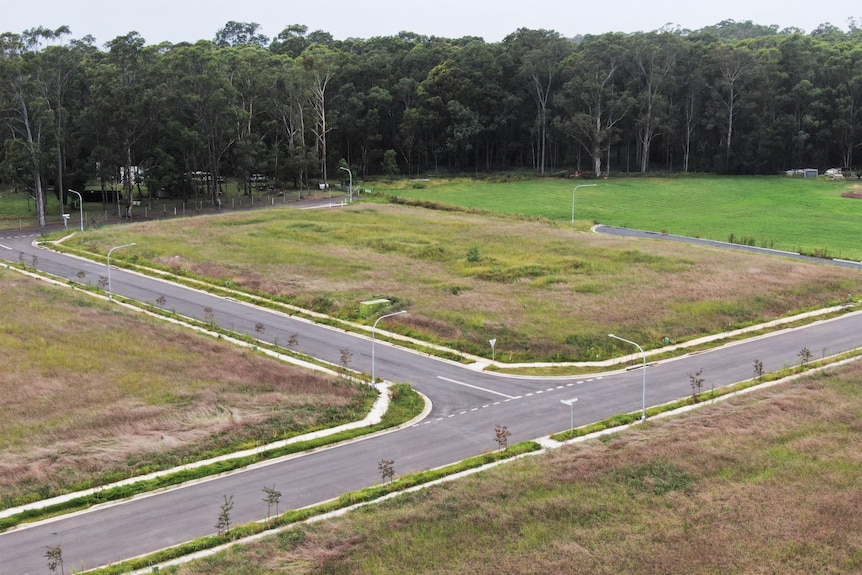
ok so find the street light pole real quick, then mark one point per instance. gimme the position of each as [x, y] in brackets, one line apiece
[350, 187]
[373, 331]
[643, 355]
[573, 197]
[110, 292]
[80, 206]
[570, 403]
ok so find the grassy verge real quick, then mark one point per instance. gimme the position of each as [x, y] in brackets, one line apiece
[292, 517]
[623, 419]
[405, 405]
[541, 290]
[768, 482]
[672, 351]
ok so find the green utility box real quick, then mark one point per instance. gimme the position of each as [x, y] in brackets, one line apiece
[372, 306]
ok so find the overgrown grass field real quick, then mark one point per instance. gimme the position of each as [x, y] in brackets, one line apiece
[809, 216]
[765, 483]
[540, 288]
[90, 391]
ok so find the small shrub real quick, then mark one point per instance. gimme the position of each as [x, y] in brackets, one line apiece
[696, 384]
[804, 357]
[758, 370]
[223, 524]
[502, 435]
[54, 555]
[272, 498]
[387, 469]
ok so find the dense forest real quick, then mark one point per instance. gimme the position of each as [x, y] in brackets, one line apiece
[734, 98]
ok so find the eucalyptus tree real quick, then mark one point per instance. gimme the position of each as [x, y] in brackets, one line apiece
[595, 100]
[250, 71]
[845, 68]
[541, 54]
[64, 91]
[289, 100]
[321, 64]
[291, 41]
[688, 98]
[799, 93]
[485, 65]
[412, 138]
[240, 34]
[27, 107]
[653, 58]
[364, 114]
[204, 92]
[447, 123]
[732, 67]
[123, 103]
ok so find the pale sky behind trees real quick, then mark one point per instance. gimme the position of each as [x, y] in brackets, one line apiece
[191, 20]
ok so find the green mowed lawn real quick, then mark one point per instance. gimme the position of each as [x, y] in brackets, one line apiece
[809, 216]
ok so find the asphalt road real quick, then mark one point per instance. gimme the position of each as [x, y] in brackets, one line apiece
[467, 405]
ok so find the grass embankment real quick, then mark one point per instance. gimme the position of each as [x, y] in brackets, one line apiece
[541, 289]
[91, 393]
[764, 483]
[808, 216]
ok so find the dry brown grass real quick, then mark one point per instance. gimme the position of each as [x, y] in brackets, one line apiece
[768, 483]
[88, 389]
[540, 288]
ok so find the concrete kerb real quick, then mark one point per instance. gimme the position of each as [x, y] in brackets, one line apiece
[374, 416]
[546, 442]
[670, 348]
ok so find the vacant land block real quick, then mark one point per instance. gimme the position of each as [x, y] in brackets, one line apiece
[540, 288]
[90, 391]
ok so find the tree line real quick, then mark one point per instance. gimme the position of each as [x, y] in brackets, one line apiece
[733, 98]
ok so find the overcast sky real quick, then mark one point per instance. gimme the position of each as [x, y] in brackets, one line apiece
[190, 20]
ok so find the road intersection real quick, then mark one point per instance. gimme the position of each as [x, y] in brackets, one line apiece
[467, 404]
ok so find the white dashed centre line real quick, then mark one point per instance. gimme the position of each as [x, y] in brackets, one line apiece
[474, 387]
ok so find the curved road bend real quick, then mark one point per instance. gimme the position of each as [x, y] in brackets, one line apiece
[467, 405]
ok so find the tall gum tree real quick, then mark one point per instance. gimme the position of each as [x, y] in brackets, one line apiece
[122, 107]
[733, 65]
[592, 101]
[653, 60]
[541, 53]
[23, 97]
[321, 63]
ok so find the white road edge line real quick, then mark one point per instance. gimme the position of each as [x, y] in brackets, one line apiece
[475, 387]
[5, 247]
